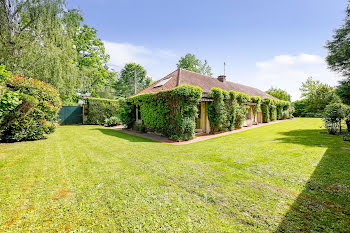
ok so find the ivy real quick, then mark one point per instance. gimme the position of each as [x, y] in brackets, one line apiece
[171, 113]
[265, 108]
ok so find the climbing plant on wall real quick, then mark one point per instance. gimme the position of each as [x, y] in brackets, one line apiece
[265, 108]
[171, 113]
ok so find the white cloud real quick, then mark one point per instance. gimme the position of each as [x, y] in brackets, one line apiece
[288, 72]
[122, 53]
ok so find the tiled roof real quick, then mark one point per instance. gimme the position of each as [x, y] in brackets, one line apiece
[181, 76]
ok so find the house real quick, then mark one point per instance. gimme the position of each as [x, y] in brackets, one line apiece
[206, 83]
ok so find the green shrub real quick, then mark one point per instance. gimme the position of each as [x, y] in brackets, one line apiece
[112, 121]
[171, 113]
[34, 117]
[8, 102]
[265, 108]
[332, 118]
[99, 110]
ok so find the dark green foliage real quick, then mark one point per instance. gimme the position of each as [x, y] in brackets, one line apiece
[34, 117]
[333, 116]
[265, 108]
[300, 108]
[171, 113]
[347, 117]
[127, 113]
[338, 58]
[125, 83]
[216, 110]
[343, 90]
[99, 110]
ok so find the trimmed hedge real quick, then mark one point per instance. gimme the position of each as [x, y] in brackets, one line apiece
[37, 113]
[101, 110]
[171, 113]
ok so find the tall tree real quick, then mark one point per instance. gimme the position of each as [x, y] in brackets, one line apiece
[125, 83]
[43, 39]
[338, 58]
[191, 63]
[318, 95]
[343, 91]
[36, 41]
[92, 61]
[279, 93]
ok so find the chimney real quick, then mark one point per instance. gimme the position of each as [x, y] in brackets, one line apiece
[222, 78]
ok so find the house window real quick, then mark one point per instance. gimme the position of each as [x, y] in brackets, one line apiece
[162, 82]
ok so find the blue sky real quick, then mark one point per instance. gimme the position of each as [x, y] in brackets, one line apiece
[264, 43]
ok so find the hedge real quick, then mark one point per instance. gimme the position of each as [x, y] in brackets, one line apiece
[99, 111]
[171, 113]
[37, 112]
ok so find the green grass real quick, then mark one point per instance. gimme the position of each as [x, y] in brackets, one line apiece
[282, 177]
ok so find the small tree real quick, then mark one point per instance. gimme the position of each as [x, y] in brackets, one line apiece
[332, 118]
[191, 63]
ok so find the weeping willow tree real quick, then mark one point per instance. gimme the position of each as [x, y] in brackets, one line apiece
[43, 39]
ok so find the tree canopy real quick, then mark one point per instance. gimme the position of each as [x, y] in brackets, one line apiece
[125, 83]
[43, 39]
[338, 58]
[191, 63]
[343, 91]
[316, 96]
[279, 93]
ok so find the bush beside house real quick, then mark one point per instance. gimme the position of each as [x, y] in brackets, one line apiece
[29, 109]
[171, 113]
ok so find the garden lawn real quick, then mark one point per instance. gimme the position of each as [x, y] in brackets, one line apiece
[281, 177]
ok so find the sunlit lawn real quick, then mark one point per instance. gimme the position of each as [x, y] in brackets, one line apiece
[281, 177]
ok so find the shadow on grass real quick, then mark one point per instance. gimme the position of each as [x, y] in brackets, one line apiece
[125, 136]
[324, 204]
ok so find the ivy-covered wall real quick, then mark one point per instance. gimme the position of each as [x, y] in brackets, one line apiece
[227, 110]
[171, 113]
[273, 109]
